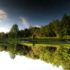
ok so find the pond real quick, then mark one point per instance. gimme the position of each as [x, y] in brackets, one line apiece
[23, 63]
[37, 56]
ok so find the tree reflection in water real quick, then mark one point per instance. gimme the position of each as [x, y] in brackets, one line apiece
[54, 55]
[23, 63]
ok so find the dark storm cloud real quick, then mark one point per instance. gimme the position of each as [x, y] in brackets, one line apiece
[35, 5]
[41, 7]
[37, 10]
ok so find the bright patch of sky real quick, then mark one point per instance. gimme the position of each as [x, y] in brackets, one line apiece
[23, 63]
[6, 22]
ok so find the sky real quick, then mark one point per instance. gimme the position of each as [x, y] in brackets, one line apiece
[34, 12]
[23, 63]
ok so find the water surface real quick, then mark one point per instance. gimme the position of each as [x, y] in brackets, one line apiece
[23, 63]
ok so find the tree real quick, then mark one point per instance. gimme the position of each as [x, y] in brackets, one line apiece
[66, 24]
[36, 31]
[14, 31]
[14, 28]
[47, 31]
[56, 27]
[27, 33]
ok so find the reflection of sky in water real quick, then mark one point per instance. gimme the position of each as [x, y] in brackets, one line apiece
[23, 63]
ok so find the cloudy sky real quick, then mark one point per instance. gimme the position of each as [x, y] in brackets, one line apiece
[36, 12]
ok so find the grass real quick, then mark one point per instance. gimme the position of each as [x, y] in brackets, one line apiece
[48, 44]
[45, 41]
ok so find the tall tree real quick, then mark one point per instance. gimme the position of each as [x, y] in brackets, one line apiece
[14, 28]
[14, 31]
[56, 27]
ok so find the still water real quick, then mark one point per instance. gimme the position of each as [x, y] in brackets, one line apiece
[23, 63]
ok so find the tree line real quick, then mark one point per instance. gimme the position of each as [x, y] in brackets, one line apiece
[56, 28]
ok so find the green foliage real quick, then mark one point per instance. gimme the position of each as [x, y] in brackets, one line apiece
[11, 42]
[14, 28]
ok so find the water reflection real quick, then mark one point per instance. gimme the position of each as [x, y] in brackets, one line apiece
[23, 63]
[56, 55]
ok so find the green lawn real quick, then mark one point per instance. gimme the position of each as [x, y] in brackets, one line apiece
[50, 44]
